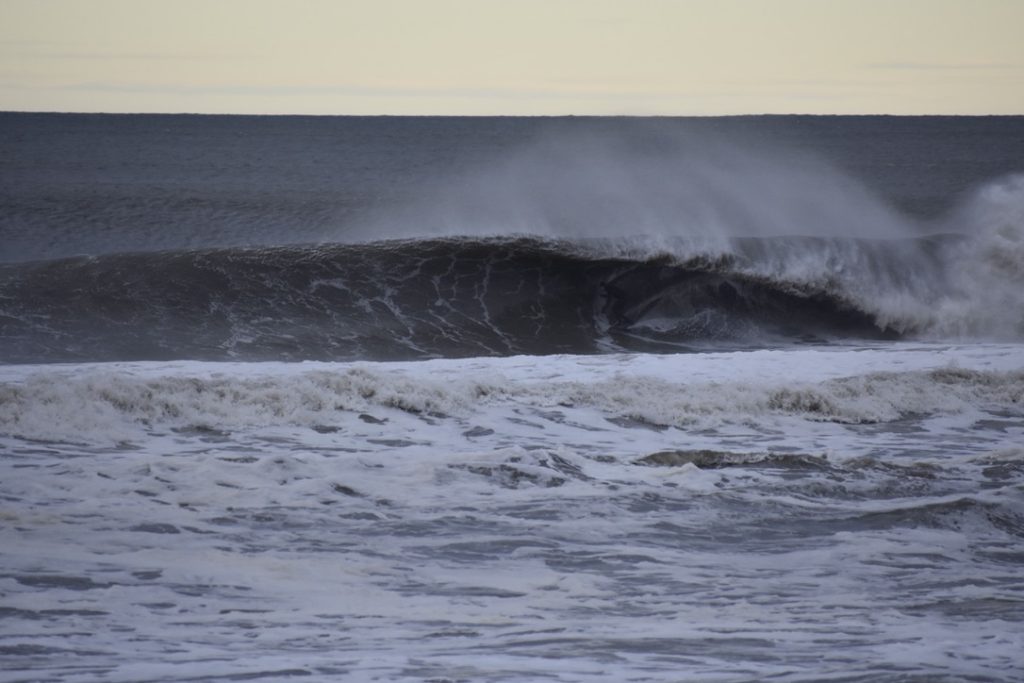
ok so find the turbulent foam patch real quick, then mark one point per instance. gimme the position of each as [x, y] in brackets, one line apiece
[340, 509]
[986, 275]
[52, 406]
[115, 403]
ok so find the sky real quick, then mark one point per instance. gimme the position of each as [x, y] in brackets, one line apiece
[514, 57]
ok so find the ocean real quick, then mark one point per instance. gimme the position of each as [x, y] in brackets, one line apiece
[511, 399]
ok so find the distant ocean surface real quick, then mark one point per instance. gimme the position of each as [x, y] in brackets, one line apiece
[511, 399]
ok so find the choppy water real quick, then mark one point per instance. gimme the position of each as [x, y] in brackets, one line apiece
[803, 514]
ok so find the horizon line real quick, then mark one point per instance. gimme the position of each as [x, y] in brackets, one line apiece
[494, 116]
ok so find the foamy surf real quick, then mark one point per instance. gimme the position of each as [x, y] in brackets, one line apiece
[103, 403]
[494, 515]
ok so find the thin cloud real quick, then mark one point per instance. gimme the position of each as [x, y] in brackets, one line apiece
[55, 51]
[383, 91]
[943, 66]
[122, 56]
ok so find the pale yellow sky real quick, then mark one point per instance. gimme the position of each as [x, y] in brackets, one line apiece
[643, 57]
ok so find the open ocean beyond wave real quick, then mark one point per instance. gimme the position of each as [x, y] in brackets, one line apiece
[511, 399]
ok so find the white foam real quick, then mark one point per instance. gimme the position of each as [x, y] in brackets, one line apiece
[121, 401]
[986, 277]
[516, 535]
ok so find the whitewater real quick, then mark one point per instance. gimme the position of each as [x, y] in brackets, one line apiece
[511, 399]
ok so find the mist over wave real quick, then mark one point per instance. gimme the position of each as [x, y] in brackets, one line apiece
[658, 181]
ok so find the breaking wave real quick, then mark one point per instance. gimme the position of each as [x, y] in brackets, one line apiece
[114, 403]
[460, 297]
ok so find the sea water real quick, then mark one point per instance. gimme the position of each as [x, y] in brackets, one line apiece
[511, 399]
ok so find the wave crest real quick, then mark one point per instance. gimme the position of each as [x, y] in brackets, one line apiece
[459, 297]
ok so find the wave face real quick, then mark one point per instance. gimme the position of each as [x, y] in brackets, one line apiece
[420, 299]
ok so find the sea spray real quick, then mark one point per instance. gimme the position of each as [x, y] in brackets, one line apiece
[659, 182]
[985, 272]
